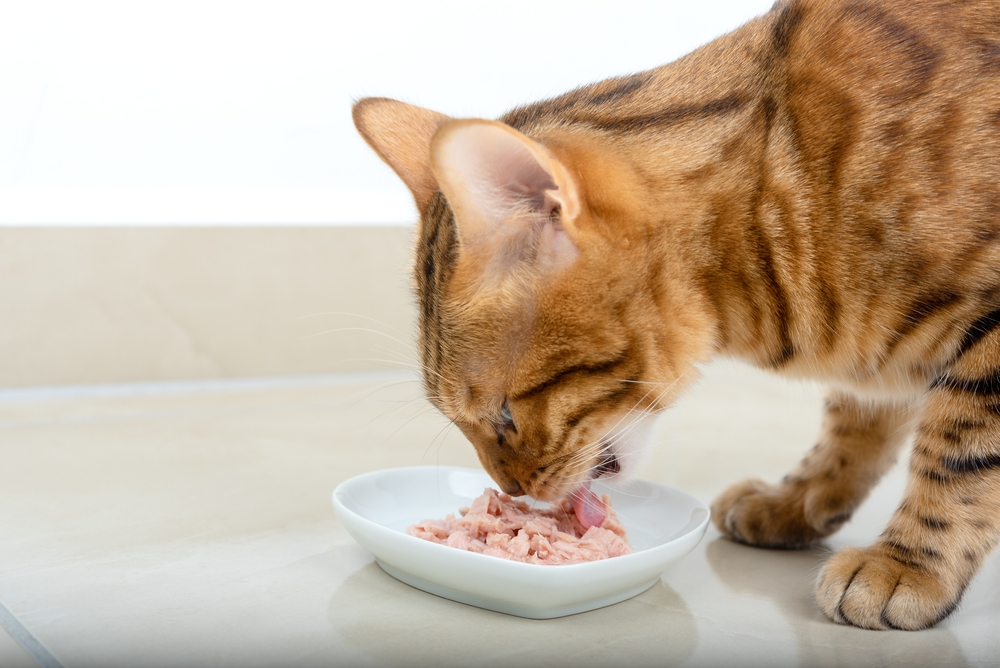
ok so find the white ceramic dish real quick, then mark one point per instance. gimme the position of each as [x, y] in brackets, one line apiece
[663, 525]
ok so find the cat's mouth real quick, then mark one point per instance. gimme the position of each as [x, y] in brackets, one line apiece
[588, 508]
[608, 464]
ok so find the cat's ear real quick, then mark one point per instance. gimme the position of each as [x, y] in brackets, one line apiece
[510, 195]
[401, 135]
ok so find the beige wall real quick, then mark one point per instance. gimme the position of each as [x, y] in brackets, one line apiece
[99, 305]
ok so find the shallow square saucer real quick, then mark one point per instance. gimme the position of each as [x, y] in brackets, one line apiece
[663, 525]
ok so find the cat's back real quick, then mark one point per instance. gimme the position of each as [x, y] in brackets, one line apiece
[890, 49]
[863, 95]
[881, 117]
[866, 136]
[889, 73]
[891, 116]
[892, 113]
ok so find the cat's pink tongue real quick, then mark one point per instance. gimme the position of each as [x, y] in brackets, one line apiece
[588, 508]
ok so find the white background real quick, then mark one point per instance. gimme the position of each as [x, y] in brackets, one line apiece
[239, 112]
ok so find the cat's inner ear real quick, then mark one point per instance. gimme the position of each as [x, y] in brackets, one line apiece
[401, 135]
[511, 196]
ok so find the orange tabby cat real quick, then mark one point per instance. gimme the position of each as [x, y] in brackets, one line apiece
[818, 193]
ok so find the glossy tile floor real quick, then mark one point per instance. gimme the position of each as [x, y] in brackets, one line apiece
[191, 525]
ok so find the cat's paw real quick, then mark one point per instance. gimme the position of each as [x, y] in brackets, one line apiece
[871, 589]
[785, 516]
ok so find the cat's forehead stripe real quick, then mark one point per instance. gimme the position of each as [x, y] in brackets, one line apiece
[589, 368]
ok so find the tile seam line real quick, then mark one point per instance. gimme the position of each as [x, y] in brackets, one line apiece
[206, 385]
[27, 640]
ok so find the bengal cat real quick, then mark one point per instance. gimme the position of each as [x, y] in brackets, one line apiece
[818, 193]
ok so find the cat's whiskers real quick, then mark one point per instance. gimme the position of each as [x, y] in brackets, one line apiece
[442, 434]
[645, 411]
[402, 358]
[640, 382]
[420, 413]
[606, 442]
[412, 363]
[588, 450]
[387, 412]
[402, 404]
[631, 410]
[354, 315]
[353, 400]
[414, 366]
[335, 330]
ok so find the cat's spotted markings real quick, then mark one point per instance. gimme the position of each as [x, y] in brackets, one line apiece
[818, 193]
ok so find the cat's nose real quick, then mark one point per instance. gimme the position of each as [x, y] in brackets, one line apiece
[513, 488]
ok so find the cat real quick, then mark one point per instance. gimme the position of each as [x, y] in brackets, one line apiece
[817, 193]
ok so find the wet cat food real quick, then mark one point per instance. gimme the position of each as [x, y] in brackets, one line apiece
[501, 526]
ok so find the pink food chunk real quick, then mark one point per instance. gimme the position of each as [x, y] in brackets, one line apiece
[501, 526]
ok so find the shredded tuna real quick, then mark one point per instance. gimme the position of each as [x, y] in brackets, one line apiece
[501, 526]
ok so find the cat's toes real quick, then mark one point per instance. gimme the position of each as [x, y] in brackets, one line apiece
[871, 589]
[756, 513]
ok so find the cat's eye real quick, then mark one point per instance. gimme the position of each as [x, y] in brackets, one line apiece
[506, 421]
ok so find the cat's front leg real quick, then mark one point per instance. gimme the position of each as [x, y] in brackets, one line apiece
[949, 519]
[858, 444]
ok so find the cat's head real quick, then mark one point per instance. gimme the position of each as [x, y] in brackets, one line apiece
[544, 323]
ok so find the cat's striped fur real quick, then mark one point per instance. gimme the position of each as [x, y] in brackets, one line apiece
[818, 193]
